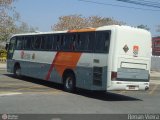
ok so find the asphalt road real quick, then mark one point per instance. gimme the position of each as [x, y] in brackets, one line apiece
[33, 96]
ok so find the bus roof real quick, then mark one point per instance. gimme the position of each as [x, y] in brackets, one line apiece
[110, 27]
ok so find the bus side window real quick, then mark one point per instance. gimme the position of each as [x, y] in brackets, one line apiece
[37, 42]
[86, 41]
[74, 44]
[49, 42]
[102, 42]
[27, 42]
[53, 40]
[90, 39]
[57, 42]
[70, 42]
[12, 45]
[43, 43]
[19, 43]
[78, 43]
[107, 41]
[81, 39]
[63, 42]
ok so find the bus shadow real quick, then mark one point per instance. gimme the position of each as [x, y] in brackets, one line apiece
[106, 96]
[87, 93]
[37, 81]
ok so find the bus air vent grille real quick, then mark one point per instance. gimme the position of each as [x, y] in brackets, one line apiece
[97, 76]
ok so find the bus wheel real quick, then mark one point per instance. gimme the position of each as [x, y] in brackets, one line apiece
[17, 71]
[69, 82]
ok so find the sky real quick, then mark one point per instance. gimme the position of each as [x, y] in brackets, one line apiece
[45, 13]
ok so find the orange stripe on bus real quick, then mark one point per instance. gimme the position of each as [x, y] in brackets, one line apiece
[51, 67]
[62, 61]
[83, 30]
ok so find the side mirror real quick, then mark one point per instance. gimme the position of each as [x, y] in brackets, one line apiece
[7, 45]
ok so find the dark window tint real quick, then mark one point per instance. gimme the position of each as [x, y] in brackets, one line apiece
[81, 42]
[43, 42]
[84, 41]
[28, 42]
[19, 43]
[11, 48]
[78, 43]
[102, 41]
[69, 42]
[62, 42]
[90, 40]
[37, 43]
[12, 44]
[57, 42]
[49, 42]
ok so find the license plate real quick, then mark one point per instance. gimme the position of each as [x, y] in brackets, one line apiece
[131, 87]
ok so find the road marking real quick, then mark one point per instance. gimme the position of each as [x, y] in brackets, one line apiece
[28, 88]
[153, 90]
[9, 94]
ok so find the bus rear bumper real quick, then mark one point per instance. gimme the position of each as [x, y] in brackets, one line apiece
[119, 85]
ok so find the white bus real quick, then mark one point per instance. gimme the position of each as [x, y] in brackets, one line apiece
[106, 58]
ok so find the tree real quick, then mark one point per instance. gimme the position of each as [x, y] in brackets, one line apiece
[145, 27]
[70, 22]
[10, 21]
[97, 21]
[7, 21]
[5, 3]
[25, 28]
[78, 22]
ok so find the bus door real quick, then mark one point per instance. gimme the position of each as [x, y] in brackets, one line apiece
[11, 48]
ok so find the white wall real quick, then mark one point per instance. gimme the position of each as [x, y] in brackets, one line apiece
[155, 63]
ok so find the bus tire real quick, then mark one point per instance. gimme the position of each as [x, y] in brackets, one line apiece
[69, 82]
[17, 71]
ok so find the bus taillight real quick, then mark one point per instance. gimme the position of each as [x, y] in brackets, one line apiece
[113, 75]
